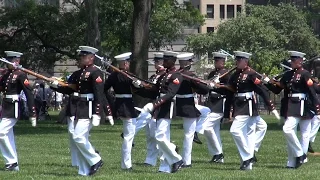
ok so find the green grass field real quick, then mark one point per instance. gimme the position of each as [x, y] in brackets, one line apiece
[43, 154]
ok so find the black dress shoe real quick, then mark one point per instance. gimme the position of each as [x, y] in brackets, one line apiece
[218, 158]
[254, 159]
[147, 164]
[245, 164]
[186, 166]
[288, 167]
[176, 166]
[299, 161]
[12, 167]
[310, 149]
[177, 149]
[196, 138]
[95, 167]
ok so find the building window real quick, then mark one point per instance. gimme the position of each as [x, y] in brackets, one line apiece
[222, 12]
[238, 8]
[210, 29]
[210, 11]
[230, 11]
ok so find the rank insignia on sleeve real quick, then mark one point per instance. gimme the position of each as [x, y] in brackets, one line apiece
[310, 82]
[26, 82]
[176, 81]
[99, 80]
[257, 81]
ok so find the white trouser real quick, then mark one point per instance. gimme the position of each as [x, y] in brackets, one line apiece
[201, 123]
[129, 126]
[164, 164]
[87, 156]
[295, 147]
[315, 124]
[212, 133]
[142, 121]
[152, 150]
[73, 146]
[145, 120]
[261, 129]
[167, 148]
[7, 142]
[243, 133]
[189, 127]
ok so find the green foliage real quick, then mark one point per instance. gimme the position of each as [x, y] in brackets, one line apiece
[168, 19]
[115, 21]
[41, 32]
[45, 34]
[267, 32]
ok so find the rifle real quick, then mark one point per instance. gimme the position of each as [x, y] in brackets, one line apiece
[224, 74]
[198, 80]
[104, 71]
[145, 83]
[72, 86]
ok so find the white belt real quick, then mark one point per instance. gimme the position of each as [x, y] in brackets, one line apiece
[302, 97]
[86, 95]
[75, 94]
[171, 105]
[298, 95]
[247, 95]
[184, 95]
[13, 97]
[123, 95]
[90, 95]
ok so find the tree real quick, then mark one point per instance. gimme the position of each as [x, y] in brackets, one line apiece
[267, 32]
[168, 20]
[41, 32]
[93, 32]
[140, 36]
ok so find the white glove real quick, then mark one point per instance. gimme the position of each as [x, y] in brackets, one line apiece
[148, 107]
[217, 80]
[211, 85]
[136, 83]
[110, 118]
[266, 80]
[275, 112]
[33, 121]
[96, 120]
[54, 84]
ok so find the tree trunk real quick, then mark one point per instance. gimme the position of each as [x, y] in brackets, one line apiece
[140, 37]
[140, 40]
[93, 37]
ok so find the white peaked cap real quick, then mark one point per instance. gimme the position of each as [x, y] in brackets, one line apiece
[13, 54]
[185, 56]
[158, 55]
[297, 54]
[170, 53]
[123, 57]
[88, 49]
[219, 55]
[242, 54]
